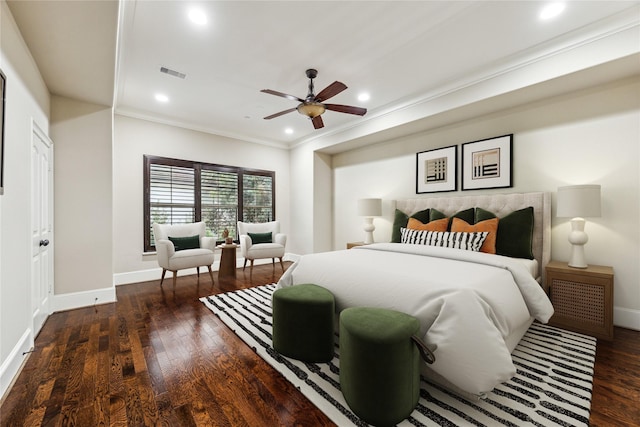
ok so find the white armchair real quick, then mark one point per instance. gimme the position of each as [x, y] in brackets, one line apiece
[261, 240]
[183, 246]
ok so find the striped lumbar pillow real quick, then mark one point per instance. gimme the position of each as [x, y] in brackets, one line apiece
[459, 240]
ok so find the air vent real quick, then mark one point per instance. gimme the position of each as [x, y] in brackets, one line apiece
[173, 73]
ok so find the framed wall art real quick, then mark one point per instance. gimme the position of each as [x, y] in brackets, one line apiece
[487, 163]
[436, 170]
[3, 92]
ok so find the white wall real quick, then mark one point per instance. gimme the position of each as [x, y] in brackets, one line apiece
[311, 200]
[82, 134]
[27, 102]
[591, 136]
[322, 203]
[300, 240]
[133, 139]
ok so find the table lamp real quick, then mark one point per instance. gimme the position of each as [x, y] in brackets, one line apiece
[577, 202]
[369, 208]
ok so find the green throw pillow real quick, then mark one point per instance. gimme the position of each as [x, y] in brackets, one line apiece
[422, 216]
[467, 215]
[400, 220]
[261, 238]
[182, 243]
[515, 232]
[483, 215]
[435, 214]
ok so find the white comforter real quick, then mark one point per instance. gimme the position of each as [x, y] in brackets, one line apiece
[467, 302]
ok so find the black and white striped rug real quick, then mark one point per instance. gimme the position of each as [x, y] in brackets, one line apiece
[552, 385]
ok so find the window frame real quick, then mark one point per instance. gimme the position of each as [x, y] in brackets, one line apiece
[240, 172]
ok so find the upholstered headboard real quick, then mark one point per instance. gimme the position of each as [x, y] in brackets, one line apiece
[501, 205]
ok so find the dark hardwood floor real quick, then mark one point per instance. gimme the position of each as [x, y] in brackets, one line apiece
[159, 357]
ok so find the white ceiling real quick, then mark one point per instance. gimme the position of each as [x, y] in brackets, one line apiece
[400, 52]
[73, 44]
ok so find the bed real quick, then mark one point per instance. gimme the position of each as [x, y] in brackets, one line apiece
[473, 307]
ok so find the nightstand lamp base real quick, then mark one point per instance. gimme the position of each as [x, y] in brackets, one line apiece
[578, 238]
[368, 230]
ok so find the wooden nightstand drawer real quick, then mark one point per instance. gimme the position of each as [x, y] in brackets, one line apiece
[582, 298]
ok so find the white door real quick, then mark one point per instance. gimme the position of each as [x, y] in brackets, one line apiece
[41, 227]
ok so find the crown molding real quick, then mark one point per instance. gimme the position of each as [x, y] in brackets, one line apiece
[136, 114]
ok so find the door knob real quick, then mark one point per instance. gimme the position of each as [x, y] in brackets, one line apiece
[44, 242]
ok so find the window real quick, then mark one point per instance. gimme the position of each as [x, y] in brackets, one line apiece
[182, 191]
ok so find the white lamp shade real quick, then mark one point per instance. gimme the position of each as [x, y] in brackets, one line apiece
[579, 201]
[370, 207]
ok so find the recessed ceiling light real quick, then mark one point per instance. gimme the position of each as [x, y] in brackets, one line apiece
[551, 10]
[364, 96]
[288, 131]
[161, 97]
[197, 16]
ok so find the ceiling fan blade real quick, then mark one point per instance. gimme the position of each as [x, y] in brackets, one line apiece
[284, 95]
[273, 116]
[346, 109]
[317, 122]
[330, 91]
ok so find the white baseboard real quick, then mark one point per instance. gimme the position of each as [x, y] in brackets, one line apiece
[141, 276]
[155, 273]
[626, 318]
[73, 300]
[12, 366]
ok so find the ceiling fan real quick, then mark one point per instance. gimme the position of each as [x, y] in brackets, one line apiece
[313, 105]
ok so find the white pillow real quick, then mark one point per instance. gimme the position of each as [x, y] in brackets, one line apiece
[449, 239]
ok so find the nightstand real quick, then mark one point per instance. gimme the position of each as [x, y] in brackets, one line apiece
[354, 244]
[582, 298]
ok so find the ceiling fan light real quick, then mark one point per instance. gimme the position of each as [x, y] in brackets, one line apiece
[310, 109]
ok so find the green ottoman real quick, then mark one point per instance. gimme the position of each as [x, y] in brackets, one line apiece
[379, 364]
[303, 319]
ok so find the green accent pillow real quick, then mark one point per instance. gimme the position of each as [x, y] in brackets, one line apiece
[422, 216]
[483, 215]
[261, 238]
[435, 214]
[400, 220]
[515, 232]
[182, 243]
[466, 215]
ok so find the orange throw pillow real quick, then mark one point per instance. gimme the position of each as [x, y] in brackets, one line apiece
[490, 225]
[436, 225]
